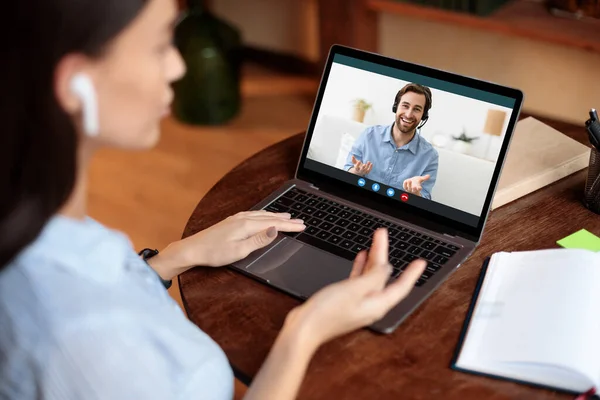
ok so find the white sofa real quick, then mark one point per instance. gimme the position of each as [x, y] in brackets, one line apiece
[462, 180]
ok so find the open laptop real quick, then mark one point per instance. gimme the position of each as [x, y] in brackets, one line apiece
[442, 222]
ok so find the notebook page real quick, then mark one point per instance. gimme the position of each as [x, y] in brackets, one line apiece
[534, 308]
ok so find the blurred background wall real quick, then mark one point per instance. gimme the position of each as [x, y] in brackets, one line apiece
[559, 81]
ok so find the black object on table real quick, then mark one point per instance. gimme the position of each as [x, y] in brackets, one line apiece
[592, 184]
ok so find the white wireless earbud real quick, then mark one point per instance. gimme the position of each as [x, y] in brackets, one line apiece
[83, 87]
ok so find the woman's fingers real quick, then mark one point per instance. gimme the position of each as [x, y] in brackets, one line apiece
[377, 304]
[379, 249]
[400, 288]
[272, 217]
[376, 270]
[371, 281]
[254, 225]
[359, 264]
[265, 213]
[258, 240]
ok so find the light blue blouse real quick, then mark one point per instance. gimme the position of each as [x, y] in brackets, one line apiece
[83, 317]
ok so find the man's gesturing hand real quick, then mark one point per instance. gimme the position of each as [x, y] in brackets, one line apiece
[360, 168]
[414, 184]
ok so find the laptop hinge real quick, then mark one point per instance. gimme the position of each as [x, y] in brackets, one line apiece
[313, 187]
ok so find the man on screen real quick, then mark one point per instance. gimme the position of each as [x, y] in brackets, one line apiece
[396, 155]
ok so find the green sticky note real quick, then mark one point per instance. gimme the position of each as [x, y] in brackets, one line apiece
[582, 239]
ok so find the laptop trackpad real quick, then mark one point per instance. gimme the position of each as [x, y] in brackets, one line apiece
[299, 268]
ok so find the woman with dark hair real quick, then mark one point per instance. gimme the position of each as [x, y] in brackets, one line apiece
[82, 315]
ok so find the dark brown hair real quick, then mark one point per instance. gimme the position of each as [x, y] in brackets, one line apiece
[415, 88]
[38, 142]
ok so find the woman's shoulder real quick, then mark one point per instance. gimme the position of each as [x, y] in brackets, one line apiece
[53, 319]
[73, 272]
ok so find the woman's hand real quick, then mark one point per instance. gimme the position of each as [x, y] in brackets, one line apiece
[335, 310]
[358, 301]
[228, 241]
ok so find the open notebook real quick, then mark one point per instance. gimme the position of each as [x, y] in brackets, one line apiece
[535, 319]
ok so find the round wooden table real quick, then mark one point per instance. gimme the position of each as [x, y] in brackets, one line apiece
[244, 316]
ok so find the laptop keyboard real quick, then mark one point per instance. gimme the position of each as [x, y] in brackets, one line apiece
[345, 231]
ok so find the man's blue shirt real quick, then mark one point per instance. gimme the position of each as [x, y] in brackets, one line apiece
[393, 165]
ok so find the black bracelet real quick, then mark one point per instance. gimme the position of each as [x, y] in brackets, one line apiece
[147, 254]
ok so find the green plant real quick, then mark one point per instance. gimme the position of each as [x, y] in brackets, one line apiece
[464, 138]
[362, 105]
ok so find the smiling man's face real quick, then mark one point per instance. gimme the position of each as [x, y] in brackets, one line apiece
[410, 111]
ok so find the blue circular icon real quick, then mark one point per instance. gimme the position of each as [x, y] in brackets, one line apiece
[361, 182]
[375, 187]
[390, 192]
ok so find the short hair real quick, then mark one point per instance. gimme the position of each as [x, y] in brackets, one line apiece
[415, 88]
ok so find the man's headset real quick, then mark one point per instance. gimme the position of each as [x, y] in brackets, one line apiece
[426, 93]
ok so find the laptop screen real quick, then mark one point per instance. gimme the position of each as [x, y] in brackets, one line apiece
[416, 139]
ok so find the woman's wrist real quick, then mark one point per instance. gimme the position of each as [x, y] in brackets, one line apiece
[281, 375]
[170, 262]
[298, 333]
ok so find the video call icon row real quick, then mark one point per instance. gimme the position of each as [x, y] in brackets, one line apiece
[375, 187]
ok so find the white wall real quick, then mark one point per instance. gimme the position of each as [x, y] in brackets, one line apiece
[448, 116]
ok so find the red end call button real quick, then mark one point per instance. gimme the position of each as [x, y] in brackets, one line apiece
[404, 197]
